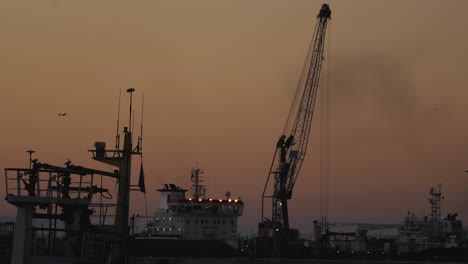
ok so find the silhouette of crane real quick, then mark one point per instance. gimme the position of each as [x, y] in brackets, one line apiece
[291, 150]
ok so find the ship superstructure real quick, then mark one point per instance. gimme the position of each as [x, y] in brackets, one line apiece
[437, 231]
[196, 217]
[163, 225]
[62, 198]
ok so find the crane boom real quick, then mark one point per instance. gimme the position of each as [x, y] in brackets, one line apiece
[302, 124]
[292, 149]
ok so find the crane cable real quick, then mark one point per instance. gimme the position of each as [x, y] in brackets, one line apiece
[325, 131]
[300, 86]
[141, 156]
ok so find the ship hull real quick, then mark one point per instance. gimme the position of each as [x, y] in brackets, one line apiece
[181, 248]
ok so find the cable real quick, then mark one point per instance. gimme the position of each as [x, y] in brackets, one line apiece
[301, 84]
[325, 134]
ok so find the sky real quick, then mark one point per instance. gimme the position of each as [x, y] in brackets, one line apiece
[218, 78]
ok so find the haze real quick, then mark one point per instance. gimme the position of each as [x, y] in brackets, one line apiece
[218, 79]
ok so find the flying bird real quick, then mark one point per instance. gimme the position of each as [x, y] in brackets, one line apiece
[62, 114]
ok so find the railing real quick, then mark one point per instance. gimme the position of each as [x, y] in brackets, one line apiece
[22, 184]
[49, 186]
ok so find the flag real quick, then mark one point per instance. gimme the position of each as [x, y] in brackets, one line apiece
[141, 180]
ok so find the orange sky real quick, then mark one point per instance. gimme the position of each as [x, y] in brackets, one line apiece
[218, 79]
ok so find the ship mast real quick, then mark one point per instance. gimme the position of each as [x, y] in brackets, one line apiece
[122, 159]
[435, 202]
[199, 190]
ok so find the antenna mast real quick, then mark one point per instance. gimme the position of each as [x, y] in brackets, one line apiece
[117, 134]
[435, 201]
[199, 190]
[140, 141]
[122, 159]
[130, 90]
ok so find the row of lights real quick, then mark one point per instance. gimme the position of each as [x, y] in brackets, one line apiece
[220, 200]
[164, 218]
[368, 252]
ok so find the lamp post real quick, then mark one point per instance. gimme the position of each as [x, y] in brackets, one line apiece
[133, 220]
[30, 156]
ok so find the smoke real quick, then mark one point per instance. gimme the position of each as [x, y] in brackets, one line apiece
[392, 129]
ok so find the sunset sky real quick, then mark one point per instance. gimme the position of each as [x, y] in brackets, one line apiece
[218, 78]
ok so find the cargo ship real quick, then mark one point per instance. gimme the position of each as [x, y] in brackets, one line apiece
[190, 224]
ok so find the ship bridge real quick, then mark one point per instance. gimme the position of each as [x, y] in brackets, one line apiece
[207, 206]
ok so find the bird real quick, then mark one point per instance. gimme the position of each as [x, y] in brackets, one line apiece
[62, 114]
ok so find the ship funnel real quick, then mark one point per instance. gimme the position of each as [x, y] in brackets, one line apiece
[100, 149]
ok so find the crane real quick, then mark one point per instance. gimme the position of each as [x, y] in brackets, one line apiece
[290, 150]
